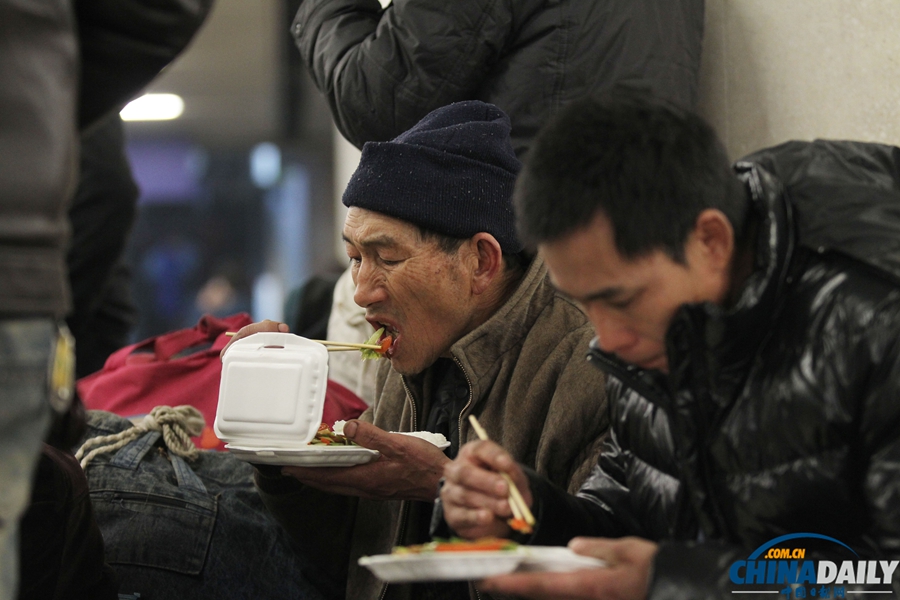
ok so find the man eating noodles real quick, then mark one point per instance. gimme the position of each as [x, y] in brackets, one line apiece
[475, 328]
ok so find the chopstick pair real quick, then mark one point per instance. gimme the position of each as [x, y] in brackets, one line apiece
[517, 503]
[333, 346]
[346, 346]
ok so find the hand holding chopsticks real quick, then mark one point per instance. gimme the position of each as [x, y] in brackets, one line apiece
[517, 503]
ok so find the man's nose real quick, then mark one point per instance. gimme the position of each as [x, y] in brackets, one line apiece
[368, 290]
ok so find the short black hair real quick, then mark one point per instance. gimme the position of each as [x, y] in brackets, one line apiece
[649, 167]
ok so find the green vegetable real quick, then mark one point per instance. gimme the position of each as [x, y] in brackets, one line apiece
[368, 353]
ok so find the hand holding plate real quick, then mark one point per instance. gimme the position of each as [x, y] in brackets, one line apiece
[626, 575]
[409, 468]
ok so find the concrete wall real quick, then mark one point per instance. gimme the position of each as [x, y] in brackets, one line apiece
[775, 70]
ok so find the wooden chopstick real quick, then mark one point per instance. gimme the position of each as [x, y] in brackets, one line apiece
[353, 345]
[342, 345]
[342, 349]
[516, 501]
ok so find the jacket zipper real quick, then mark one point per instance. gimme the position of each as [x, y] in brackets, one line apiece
[459, 426]
[404, 505]
[468, 403]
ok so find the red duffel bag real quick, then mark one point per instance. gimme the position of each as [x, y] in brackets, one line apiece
[183, 367]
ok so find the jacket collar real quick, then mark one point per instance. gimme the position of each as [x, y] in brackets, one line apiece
[481, 350]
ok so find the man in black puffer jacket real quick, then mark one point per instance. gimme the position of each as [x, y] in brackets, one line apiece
[383, 69]
[748, 321]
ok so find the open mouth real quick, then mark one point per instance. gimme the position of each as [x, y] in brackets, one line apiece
[390, 331]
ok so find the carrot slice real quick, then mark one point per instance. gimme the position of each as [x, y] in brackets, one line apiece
[519, 525]
[480, 545]
[385, 344]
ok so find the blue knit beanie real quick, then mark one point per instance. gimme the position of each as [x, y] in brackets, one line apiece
[452, 173]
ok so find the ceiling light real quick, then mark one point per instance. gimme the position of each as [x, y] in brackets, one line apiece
[153, 107]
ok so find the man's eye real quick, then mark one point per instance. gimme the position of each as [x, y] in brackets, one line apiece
[354, 260]
[390, 263]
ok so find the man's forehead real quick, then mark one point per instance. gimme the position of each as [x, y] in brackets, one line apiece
[370, 228]
[586, 264]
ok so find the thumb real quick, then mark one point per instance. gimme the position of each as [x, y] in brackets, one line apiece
[602, 548]
[364, 434]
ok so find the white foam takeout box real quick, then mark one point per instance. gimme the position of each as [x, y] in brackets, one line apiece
[271, 398]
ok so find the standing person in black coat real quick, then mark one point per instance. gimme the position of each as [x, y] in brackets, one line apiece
[101, 215]
[382, 70]
[748, 321]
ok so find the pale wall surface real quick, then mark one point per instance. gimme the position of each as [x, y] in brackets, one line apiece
[775, 70]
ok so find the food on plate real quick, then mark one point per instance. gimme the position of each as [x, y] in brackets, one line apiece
[485, 544]
[325, 436]
[368, 353]
[520, 525]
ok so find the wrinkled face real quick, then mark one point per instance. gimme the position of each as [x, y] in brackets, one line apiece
[630, 303]
[418, 293]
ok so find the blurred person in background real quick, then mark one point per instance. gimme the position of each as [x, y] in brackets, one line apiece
[64, 65]
[101, 216]
[38, 173]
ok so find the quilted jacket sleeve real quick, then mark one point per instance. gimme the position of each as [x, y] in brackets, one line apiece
[382, 70]
[605, 506]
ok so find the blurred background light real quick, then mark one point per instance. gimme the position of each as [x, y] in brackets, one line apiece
[265, 165]
[153, 107]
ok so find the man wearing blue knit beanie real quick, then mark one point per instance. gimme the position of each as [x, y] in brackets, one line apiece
[475, 329]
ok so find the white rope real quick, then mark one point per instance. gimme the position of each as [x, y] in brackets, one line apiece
[177, 424]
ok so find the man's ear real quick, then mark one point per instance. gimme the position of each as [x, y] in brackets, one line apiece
[489, 261]
[714, 238]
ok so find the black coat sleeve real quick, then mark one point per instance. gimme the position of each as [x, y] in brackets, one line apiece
[602, 508]
[125, 44]
[383, 70]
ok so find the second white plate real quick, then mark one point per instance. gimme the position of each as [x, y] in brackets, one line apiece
[472, 566]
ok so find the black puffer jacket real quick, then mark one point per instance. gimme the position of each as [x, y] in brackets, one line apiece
[780, 415]
[383, 70]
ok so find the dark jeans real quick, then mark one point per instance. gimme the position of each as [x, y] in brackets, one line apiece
[26, 351]
[181, 531]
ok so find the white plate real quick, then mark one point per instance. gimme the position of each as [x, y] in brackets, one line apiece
[451, 566]
[558, 559]
[442, 566]
[307, 456]
[435, 438]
